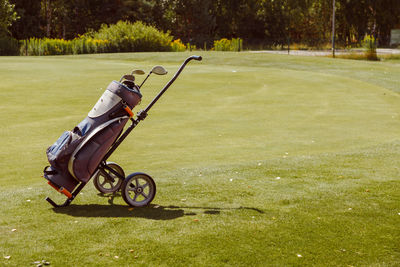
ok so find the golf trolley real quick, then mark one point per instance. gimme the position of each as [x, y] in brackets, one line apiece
[82, 154]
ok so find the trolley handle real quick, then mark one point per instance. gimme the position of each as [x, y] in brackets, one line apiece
[199, 58]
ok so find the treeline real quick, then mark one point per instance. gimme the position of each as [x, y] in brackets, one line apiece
[200, 22]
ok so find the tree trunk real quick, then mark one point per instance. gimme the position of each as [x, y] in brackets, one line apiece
[48, 18]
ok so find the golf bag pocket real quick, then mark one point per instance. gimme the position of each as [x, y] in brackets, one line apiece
[59, 153]
[88, 155]
[60, 180]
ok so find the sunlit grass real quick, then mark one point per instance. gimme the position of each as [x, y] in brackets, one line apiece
[259, 160]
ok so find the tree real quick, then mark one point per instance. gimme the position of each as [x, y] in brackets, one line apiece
[28, 25]
[238, 18]
[134, 10]
[191, 20]
[269, 22]
[7, 16]
[8, 45]
[387, 17]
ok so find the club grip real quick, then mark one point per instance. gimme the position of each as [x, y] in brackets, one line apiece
[199, 58]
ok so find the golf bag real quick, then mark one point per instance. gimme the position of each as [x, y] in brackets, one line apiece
[76, 155]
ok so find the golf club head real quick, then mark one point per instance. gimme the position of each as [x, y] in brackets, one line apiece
[159, 70]
[138, 72]
[128, 77]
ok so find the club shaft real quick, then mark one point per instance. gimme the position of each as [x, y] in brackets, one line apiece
[140, 86]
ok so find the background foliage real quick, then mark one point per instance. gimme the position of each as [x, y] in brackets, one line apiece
[266, 22]
[119, 37]
[7, 16]
[136, 37]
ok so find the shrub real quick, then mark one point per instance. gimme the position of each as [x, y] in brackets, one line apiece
[236, 44]
[178, 46]
[190, 47]
[222, 45]
[120, 37]
[369, 43]
[8, 46]
[133, 37]
[46, 46]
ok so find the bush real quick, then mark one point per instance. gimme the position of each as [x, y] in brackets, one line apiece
[46, 46]
[191, 47]
[369, 43]
[87, 45]
[178, 46]
[8, 46]
[236, 44]
[120, 37]
[222, 45]
[137, 37]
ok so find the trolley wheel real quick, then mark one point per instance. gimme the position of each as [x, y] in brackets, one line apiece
[138, 189]
[102, 180]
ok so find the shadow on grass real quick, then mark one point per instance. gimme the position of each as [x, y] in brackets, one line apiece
[152, 212]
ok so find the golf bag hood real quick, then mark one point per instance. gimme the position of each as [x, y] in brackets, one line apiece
[75, 156]
[110, 105]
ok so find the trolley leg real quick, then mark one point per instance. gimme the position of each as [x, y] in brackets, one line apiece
[51, 202]
[69, 200]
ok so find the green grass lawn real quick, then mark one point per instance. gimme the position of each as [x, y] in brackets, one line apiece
[259, 160]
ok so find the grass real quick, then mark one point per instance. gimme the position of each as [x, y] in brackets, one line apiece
[359, 56]
[259, 160]
[391, 57]
[367, 55]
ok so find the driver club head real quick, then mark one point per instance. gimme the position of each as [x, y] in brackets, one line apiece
[138, 72]
[159, 70]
